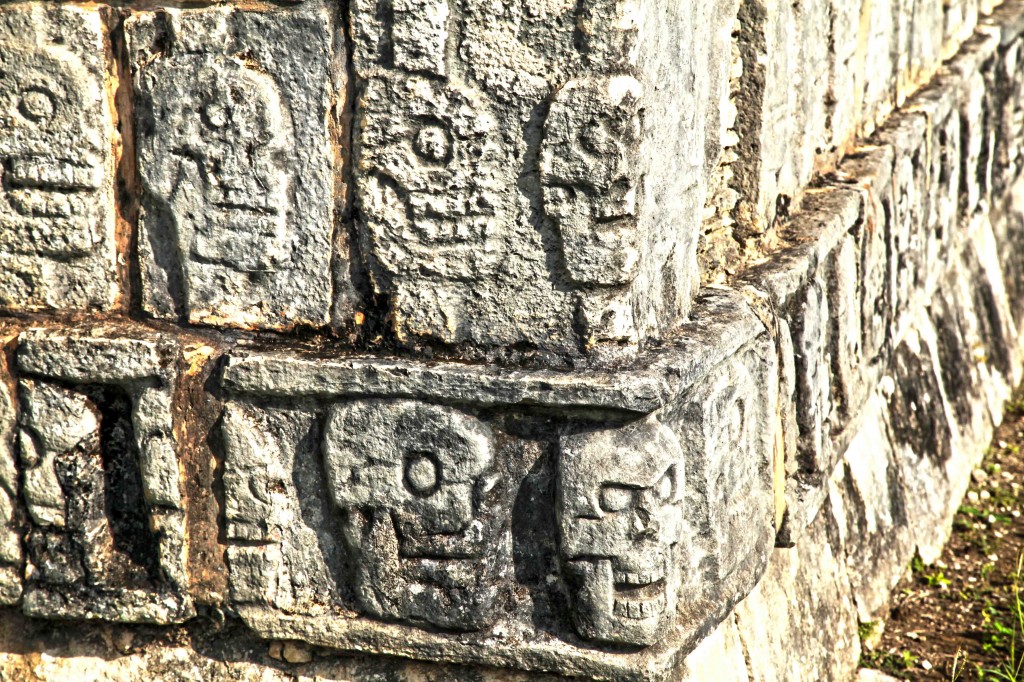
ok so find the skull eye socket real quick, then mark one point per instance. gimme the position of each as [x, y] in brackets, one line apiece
[666, 487]
[37, 104]
[615, 498]
[422, 474]
[215, 115]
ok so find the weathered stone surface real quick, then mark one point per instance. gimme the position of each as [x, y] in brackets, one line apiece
[359, 514]
[800, 622]
[100, 476]
[718, 657]
[620, 519]
[869, 505]
[234, 150]
[11, 555]
[56, 140]
[510, 162]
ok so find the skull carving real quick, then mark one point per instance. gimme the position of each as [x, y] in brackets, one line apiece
[414, 484]
[590, 172]
[51, 151]
[434, 167]
[620, 520]
[219, 158]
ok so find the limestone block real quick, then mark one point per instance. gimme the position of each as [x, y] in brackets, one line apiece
[974, 67]
[233, 115]
[57, 243]
[869, 505]
[847, 57]
[905, 217]
[922, 436]
[536, 156]
[507, 518]
[942, 153]
[100, 476]
[873, 170]
[719, 657]
[1009, 233]
[11, 559]
[814, 292]
[800, 622]
[1009, 115]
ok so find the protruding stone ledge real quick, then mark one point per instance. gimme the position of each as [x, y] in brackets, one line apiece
[351, 485]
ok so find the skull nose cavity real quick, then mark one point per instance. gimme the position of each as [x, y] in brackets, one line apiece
[644, 523]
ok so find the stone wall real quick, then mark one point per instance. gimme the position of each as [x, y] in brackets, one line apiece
[475, 339]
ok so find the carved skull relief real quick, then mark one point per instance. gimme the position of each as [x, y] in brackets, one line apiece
[414, 482]
[590, 171]
[51, 140]
[221, 161]
[620, 519]
[434, 170]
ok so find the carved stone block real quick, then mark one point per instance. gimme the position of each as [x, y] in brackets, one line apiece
[588, 523]
[56, 160]
[100, 475]
[234, 151]
[510, 163]
[11, 556]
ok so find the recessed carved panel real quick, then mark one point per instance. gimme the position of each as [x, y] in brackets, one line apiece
[236, 165]
[56, 166]
[100, 478]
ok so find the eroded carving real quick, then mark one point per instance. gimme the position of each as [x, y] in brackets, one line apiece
[100, 480]
[620, 521]
[592, 179]
[413, 481]
[56, 218]
[236, 166]
[221, 161]
[430, 198]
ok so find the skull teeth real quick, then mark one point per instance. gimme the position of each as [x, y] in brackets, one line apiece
[635, 579]
[639, 610]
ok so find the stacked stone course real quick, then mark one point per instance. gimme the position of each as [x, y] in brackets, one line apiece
[375, 328]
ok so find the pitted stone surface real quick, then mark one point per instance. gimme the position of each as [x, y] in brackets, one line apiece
[11, 557]
[362, 508]
[100, 477]
[56, 140]
[473, 194]
[237, 169]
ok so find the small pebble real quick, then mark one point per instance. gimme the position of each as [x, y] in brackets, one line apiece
[1015, 513]
[991, 519]
[274, 651]
[979, 475]
[926, 665]
[985, 494]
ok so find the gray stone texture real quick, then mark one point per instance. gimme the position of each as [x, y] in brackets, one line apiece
[496, 432]
[504, 186]
[100, 476]
[57, 234]
[549, 531]
[232, 118]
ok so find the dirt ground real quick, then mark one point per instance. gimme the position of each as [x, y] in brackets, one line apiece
[959, 619]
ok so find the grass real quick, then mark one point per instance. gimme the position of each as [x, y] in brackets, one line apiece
[1003, 636]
